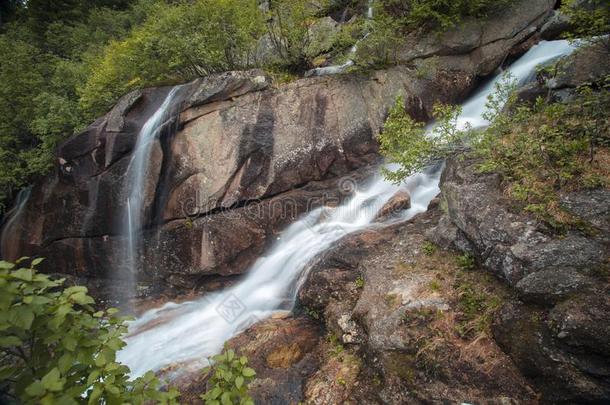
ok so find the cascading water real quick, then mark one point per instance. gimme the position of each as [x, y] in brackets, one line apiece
[9, 234]
[189, 332]
[335, 69]
[137, 173]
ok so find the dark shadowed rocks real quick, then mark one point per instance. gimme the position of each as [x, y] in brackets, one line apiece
[557, 335]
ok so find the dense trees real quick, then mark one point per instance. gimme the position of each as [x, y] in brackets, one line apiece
[47, 48]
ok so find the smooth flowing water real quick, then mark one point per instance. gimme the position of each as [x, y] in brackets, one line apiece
[8, 239]
[137, 173]
[190, 332]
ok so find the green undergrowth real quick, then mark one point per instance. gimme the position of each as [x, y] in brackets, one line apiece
[441, 339]
[541, 149]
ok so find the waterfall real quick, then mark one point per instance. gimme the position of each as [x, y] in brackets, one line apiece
[137, 173]
[335, 69]
[9, 240]
[191, 331]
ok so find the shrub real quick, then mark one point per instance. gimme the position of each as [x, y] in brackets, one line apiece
[56, 348]
[381, 45]
[429, 248]
[288, 25]
[590, 20]
[177, 42]
[230, 376]
[438, 14]
[406, 142]
[545, 148]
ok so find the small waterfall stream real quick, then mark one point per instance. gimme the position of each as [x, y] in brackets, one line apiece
[10, 235]
[137, 173]
[191, 331]
[336, 69]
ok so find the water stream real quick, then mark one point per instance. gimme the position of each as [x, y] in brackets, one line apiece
[336, 69]
[137, 173]
[191, 331]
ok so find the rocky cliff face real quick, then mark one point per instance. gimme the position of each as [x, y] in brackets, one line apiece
[236, 140]
[556, 328]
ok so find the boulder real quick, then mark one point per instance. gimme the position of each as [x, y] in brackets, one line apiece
[558, 359]
[510, 244]
[480, 45]
[398, 202]
[557, 24]
[546, 287]
[232, 140]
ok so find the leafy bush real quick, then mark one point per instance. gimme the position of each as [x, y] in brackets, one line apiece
[177, 42]
[544, 148]
[288, 26]
[438, 14]
[381, 45]
[230, 376]
[590, 20]
[55, 348]
[538, 149]
[406, 142]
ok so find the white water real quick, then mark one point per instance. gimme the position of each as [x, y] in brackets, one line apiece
[9, 234]
[336, 69]
[137, 173]
[192, 331]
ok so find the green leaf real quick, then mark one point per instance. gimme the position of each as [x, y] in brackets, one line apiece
[95, 394]
[21, 316]
[225, 399]
[4, 265]
[35, 389]
[65, 362]
[248, 372]
[6, 372]
[53, 381]
[93, 376]
[215, 393]
[69, 342]
[7, 341]
[239, 381]
[82, 298]
[37, 261]
[23, 274]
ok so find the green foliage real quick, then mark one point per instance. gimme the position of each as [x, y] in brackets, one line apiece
[406, 143]
[465, 261]
[44, 51]
[439, 14]
[477, 305]
[543, 148]
[382, 42]
[590, 20]
[312, 313]
[55, 348]
[429, 248]
[359, 283]
[177, 42]
[288, 25]
[394, 19]
[228, 384]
